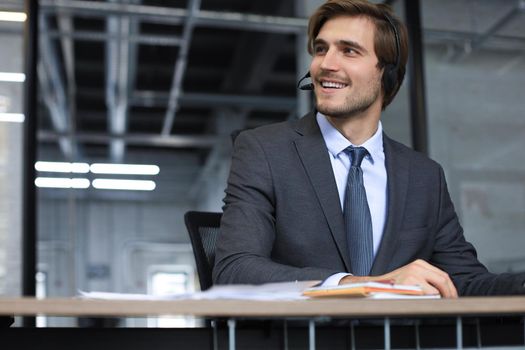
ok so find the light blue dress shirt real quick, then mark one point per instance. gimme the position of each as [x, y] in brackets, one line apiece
[374, 176]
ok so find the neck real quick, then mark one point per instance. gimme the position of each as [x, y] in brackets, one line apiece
[357, 128]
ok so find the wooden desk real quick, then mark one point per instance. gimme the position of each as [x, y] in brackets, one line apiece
[240, 309]
[362, 308]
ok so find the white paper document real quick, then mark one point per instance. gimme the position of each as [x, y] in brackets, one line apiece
[122, 296]
[400, 296]
[269, 291]
[263, 292]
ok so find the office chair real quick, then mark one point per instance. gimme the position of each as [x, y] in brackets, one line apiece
[203, 228]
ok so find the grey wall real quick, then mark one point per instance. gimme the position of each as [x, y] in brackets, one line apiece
[476, 107]
[106, 243]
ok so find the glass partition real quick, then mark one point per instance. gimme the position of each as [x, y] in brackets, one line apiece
[149, 84]
[475, 74]
[11, 142]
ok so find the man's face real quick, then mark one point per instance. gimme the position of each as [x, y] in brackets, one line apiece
[344, 67]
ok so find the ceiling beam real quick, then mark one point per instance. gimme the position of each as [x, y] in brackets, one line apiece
[117, 62]
[430, 35]
[477, 41]
[196, 99]
[120, 66]
[180, 67]
[178, 16]
[144, 39]
[151, 140]
[53, 91]
[65, 23]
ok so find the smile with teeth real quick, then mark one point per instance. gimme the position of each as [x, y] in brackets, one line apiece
[333, 85]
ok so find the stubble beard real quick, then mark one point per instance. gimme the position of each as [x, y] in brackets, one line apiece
[354, 104]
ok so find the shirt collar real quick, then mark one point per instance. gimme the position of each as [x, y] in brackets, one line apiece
[336, 142]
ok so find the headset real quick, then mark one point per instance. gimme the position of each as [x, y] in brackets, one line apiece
[390, 71]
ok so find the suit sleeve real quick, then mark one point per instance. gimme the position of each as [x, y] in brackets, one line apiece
[458, 257]
[244, 247]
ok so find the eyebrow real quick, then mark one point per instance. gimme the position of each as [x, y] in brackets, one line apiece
[349, 43]
[353, 44]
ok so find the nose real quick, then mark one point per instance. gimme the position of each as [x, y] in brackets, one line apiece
[330, 61]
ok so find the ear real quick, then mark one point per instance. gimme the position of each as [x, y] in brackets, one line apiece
[389, 78]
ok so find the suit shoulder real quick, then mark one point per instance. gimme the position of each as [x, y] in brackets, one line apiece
[416, 158]
[270, 132]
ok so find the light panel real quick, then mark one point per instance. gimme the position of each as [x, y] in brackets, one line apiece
[130, 185]
[11, 16]
[124, 169]
[62, 167]
[59, 182]
[12, 77]
[12, 117]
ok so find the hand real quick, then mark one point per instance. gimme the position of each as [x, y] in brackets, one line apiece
[431, 279]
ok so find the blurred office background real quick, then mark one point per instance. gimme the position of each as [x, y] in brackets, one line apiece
[165, 83]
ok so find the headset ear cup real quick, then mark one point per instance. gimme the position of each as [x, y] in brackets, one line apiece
[389, 78]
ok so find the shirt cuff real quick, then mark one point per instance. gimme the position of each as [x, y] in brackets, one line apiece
[334, 279]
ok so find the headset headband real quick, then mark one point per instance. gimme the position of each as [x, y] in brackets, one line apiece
[398, 48]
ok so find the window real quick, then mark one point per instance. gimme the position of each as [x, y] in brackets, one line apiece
[171, 280]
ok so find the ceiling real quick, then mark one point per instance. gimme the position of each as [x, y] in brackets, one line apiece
[166, 74]
[125, 80]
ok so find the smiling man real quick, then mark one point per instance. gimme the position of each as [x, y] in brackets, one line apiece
[330, 196]
[346, 71]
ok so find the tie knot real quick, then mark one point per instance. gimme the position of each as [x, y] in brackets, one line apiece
[357, 154]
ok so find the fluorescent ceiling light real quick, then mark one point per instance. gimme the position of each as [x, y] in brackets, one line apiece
[13, 77]
[62, 167]
[132, 185]
[59, 182]
[125, 169]
[12, 117]
[11, 16]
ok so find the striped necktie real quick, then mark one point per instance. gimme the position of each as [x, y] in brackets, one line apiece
[357, 219]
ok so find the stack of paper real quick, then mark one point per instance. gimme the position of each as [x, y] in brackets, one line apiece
[280, 291]
[268, 291]
[374, 290]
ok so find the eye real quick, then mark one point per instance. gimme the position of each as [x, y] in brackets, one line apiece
[349, 51]
[319, 49]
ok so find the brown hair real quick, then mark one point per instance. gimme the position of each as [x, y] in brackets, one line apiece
[384, 37]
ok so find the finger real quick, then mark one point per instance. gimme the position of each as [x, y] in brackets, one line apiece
[430, 278]
[428, 289]
[452, 292]
[453, 289]
[442, 283]
[426, 274]
[440, 277]
[419, 277]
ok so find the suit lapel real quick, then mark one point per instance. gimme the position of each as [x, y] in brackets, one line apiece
[314, 156]
[397, 168]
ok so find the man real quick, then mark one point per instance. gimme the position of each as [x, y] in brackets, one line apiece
[293, 211]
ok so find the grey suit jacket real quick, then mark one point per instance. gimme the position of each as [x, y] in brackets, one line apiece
[283, 221]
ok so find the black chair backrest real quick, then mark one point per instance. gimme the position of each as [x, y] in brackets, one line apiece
[203, 228]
